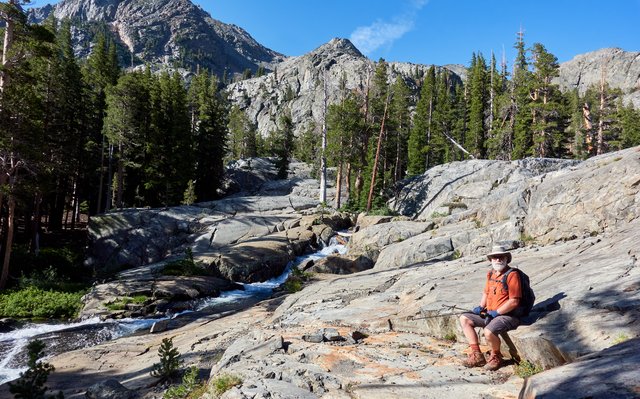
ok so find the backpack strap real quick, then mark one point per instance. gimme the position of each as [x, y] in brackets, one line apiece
[503, 279]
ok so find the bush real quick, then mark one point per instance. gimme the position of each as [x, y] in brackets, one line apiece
[224, 382]
[296, 280]
[121, 303]
[186, 267]
[526, 369]
[191, 386]
[33, 302]
[30, 385]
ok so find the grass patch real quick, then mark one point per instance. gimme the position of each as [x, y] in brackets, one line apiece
[121, 303]
[436, 215]
[224, 382]
[526, 369]
[33, 302]
[450, 336]
[526, 238]
[456, 205]
[620, 339]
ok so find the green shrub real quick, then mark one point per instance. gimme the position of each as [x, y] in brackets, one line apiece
[450, 336]
[30, 385]
[191, 386]
[121, 303]
[526, 369]
[170, 361]
[224, 382]
[296, 280]
[33, 302]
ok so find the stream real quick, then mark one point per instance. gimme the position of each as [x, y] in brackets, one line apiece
[63, 337]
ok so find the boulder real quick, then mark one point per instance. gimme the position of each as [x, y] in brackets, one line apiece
[255, 260]
[369, 241]
[609, 373]
[339, 264]
[415, 251]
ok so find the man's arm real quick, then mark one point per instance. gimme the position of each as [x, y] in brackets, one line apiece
[508, 306]
[483, 301]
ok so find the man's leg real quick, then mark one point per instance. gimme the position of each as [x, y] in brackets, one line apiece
[468, 322]
[492, 331]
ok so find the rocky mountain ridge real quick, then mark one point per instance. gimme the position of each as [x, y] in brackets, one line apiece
[164, 32]
[620, 69]
[297, 85]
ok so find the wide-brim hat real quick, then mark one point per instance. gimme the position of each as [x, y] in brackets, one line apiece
[499, 250]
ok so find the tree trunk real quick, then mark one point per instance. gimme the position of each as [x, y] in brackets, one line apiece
[323, 156]
[101, 184]
[427, 160]
[600, 143]
[338, 185]
[375, 162]
[7, 44]
[11, 205]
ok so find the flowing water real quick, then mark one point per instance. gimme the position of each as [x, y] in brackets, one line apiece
[63, 337]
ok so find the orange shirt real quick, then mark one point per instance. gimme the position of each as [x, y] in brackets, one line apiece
[496, 294]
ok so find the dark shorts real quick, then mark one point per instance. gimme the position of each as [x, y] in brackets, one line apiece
[497, 325]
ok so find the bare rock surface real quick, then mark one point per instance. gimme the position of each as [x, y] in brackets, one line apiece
[383, 330]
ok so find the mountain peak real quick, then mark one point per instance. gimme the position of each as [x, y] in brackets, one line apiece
[166, 33]
[338, 46]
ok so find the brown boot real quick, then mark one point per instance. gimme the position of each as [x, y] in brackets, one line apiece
[494, 363]
[475, 359]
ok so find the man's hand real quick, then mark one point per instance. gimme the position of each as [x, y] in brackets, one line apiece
[477, 310]
[493, 314]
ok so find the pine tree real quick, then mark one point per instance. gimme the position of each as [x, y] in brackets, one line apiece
[242, 135]
[30, 385]
[400, 120]
[420, 135]
[170, 151]
[547, 127]
[126, 129]
[283, 145]
[170, 362]
[478, 106]
[209, 125]
[521, 118]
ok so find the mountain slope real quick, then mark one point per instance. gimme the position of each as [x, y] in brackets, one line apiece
[621, 70]
[168, 32]
[297, 85]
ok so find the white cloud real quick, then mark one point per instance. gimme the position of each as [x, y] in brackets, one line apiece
[370, 38]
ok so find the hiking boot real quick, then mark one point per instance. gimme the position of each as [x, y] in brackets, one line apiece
[494, 363]
[475, 359]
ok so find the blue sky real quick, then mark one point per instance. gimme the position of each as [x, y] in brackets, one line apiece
[434, 31]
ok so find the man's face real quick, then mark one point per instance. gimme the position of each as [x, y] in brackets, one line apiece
[499, 260]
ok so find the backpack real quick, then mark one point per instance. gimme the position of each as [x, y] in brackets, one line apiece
[528, 297]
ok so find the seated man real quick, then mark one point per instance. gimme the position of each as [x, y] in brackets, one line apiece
[493, 314]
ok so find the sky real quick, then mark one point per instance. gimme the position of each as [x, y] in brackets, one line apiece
[434, 31]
